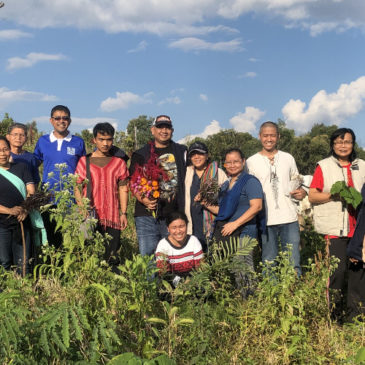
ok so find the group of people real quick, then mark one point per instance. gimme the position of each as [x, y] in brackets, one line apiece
[257, 197]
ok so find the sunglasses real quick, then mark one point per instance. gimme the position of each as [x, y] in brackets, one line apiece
[66, 119]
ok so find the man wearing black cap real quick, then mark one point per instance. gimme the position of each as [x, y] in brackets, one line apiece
[149, 213]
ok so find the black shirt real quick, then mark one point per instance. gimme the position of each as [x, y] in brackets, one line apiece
[10, 196]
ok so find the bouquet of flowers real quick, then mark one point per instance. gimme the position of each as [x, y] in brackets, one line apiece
[150, 179]
[146, 188]
[209, 190]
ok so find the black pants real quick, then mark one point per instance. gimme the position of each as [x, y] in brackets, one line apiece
[111, 254]
[356, 290]
[338, 280]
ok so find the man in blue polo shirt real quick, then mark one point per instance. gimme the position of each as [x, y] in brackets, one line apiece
[58, 147]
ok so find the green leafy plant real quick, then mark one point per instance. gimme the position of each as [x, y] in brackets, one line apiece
[350, 195]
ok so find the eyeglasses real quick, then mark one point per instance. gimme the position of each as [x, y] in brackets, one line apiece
[66, 119]
[17, 135]
[343, 143]
[230, 163]
[5, 150]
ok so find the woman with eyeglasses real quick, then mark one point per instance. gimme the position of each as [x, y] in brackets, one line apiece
[201, 170]
[332, 217]
[240, 201]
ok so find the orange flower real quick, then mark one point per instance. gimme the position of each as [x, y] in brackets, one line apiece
[156, 194]
[155, 183]
[143, 181]
[155, 187]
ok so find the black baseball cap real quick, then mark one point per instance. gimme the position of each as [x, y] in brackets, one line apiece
[162, 120]
[199, 147]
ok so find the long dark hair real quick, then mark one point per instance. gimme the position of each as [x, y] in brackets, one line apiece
[341, 133]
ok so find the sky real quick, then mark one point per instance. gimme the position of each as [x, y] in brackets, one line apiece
[209, 64]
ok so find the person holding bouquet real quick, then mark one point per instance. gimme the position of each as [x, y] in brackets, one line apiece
[203, 179]
[166, 159]
[240, 201]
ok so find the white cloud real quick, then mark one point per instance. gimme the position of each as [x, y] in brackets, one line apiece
[210, 129]
[11, 96]
[197, 44]
[170, 100]
[248, 75]
[253, 59]
[333, 108]
[123, 100]
[31, 59]
[203, 97]
[246, 122]
[140, 47]
[185, 18]
[10, 34]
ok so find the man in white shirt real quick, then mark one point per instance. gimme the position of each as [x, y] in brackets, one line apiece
[279, 177]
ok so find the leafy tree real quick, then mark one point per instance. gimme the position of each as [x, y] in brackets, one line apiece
[321, 129]
[87, 136]
[218, 143]
[5, 124]
[139, 130]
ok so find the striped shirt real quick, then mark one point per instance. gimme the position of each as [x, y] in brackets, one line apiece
[179, 260]
[105, 183]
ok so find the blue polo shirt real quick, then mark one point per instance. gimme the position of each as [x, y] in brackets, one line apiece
[30, 160]
[52, 151]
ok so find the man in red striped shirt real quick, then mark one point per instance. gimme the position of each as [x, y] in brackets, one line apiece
[109, 189]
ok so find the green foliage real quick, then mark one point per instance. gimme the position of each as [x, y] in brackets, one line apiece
[139, 130]
[350, 195]
[87, 136]
[5, 124]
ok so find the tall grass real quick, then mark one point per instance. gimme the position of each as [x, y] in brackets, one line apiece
[75, 310]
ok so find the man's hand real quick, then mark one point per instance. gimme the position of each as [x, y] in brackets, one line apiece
[123, 222]
[229, 228]
[298, 194]
[149, 203]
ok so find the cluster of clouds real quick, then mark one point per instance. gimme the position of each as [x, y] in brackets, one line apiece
[328, 108]
[189, 20]
[32, 59]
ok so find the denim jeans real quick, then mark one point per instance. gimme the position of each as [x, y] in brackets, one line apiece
[149, 232]
[11, 248]
[289, 234]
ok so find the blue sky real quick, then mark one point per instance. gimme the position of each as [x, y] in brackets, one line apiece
[208, 64]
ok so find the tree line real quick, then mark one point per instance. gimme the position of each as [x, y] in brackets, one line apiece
[307, 149]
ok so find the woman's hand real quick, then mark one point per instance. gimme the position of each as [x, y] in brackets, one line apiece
[19, 212]
[197, 198]
[22, 215]
[14, 210]
[229, 228]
